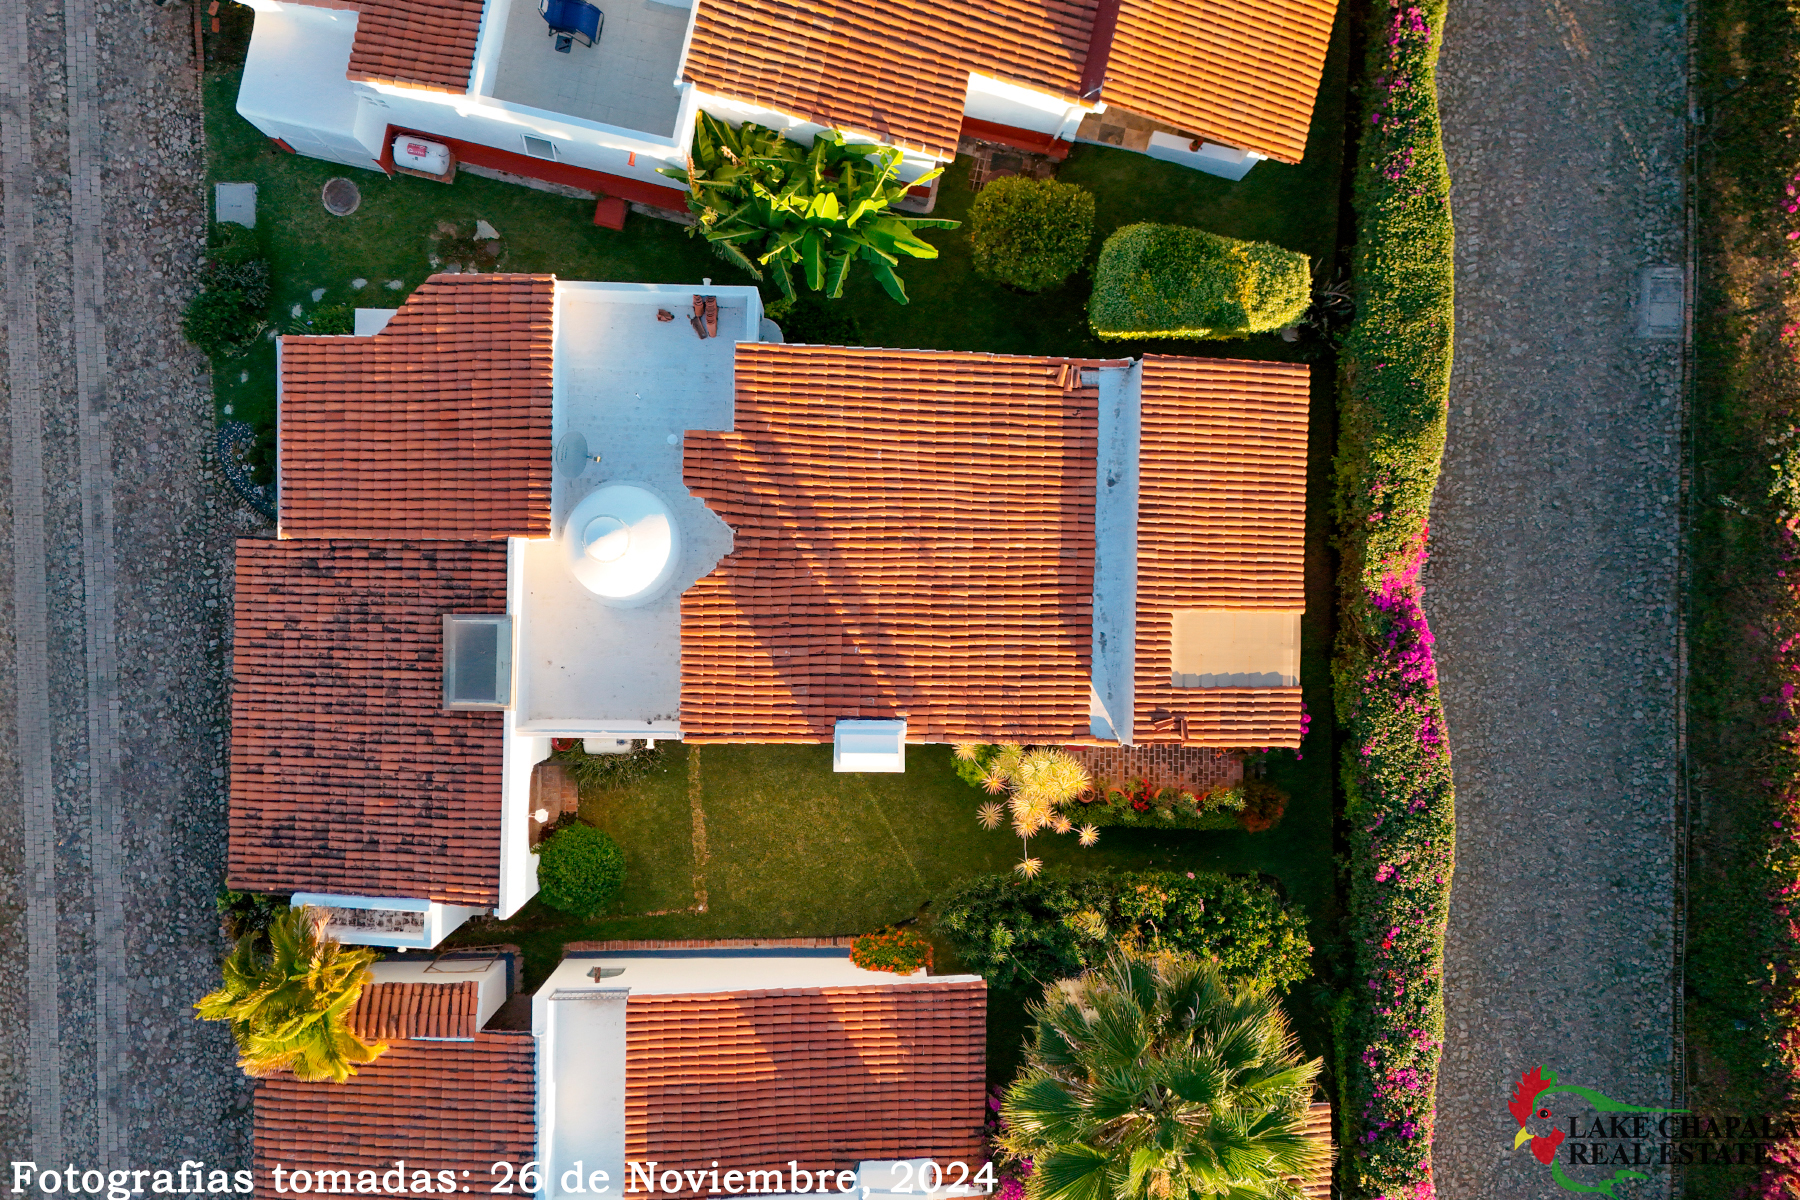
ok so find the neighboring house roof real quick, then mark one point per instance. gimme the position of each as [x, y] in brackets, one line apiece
[1317, 1186]
[436, 427]
[1221, 524]
[914, 537]
[899, 73]
[1245, 75]
[824, 1076]
[446, 1106]
[387, 1012]
[419, 43]
[347, 773]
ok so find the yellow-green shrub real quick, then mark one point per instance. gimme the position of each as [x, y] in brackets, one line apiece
[1175, 282]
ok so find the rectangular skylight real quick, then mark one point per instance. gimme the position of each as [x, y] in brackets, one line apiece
[477, 662]
[539, 147]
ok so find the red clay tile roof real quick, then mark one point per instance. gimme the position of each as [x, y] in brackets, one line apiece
[451, 1106]
[388, 1012]
[347, 774]
[823, 1076]
[1317, 1186]
[1243, 75]
[1221, 524]
[436, 427]
[914, 538]
[419, 43]
[899, 73]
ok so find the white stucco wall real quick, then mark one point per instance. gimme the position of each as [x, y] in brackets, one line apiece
[1006, 103]
[294, 89]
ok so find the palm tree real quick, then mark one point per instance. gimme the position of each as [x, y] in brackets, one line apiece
[1153, 1078]
[1037, 783]
[288, 1000]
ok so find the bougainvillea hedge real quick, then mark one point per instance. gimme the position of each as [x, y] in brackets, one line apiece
[1398, 808]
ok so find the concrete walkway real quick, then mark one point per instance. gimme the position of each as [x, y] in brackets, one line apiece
[1552, 588]
[116, 609]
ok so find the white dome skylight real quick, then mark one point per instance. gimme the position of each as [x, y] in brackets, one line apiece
[622, 544]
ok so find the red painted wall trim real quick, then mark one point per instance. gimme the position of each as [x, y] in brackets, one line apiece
[1028, 140]
[537, 168]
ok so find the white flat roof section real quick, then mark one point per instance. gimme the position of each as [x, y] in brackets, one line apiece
[682, 972]
[581, 1086]
[1120, 430]
[626, 79]
[627, 386]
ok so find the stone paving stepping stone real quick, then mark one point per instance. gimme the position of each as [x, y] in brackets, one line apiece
[235, 203]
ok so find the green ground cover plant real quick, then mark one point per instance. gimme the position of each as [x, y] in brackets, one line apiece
[226, 316]
[1174, 281]
[1030, 233]
[1016, 932]
[1741, 969]
[580, 870]
[1399, 804]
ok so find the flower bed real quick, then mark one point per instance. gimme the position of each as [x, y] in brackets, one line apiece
[1399, 806]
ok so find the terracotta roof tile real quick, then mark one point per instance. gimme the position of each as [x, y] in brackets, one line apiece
[899, 73]
[914, 537]
[419, 43]
[390, 1012]
[347, 774]
[436, 427]
[454, 1106]
[824, 1076]
[1243, 75]
[1221, 524]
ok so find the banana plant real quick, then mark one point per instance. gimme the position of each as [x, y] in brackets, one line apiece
[770, 205]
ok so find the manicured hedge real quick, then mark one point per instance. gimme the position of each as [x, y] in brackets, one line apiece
[1399, 805]
[580, 870]
[1030, 233]
[1024, 932]
[1171, 281]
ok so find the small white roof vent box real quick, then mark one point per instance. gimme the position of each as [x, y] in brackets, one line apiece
[477, 662]
[869, 746]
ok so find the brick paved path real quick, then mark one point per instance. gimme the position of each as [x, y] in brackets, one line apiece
[1552, 585]
[114, 603]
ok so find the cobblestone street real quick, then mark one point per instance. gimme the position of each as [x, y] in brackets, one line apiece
[114, 594]
[1553, 583]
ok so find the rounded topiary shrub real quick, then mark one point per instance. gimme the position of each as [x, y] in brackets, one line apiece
[1030, 233]
[580, 870]
[1175, 282]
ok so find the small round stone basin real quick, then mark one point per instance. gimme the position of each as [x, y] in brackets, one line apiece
[341, 197]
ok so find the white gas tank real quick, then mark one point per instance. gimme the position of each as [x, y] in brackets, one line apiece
[417, 154]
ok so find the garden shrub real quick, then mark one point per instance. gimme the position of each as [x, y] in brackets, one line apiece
[594, 771]
[1399, 805]
[226, 315]
[1030, 233]
[1261, 805]
[1022, 932]
[580, 870]
[898, 950]
[247, 913]
[1170, 281]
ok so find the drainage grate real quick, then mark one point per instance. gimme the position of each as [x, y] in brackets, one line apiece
[1661, 299]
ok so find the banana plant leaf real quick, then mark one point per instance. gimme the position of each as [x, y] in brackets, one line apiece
[768, 204]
